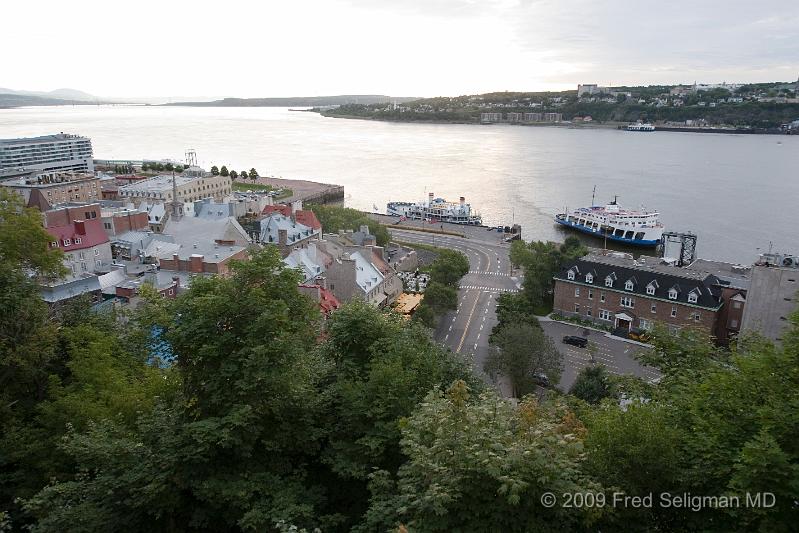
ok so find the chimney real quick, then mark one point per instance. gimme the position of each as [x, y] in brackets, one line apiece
[80, 227]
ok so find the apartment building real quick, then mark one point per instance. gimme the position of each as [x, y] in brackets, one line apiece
[49, 154]
[773, 295]
[618, 291]
[188, 188]
[46, 191]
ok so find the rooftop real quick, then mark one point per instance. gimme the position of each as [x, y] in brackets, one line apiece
[160, 183]
[43, 139]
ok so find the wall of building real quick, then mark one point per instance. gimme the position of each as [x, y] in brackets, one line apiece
[771, 299]
[590, 299]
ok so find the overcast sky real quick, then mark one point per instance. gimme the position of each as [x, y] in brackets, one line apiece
[396, 47]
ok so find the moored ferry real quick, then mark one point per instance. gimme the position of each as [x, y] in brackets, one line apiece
[436, 210]
[638, 126]
[611, 222]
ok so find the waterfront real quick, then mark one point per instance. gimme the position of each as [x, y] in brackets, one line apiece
[737, 192]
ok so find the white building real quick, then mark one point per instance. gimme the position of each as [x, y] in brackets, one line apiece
[49, 154]
[189, 188]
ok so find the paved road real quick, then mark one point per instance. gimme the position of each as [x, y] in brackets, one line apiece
[466, 329]
[616, 355]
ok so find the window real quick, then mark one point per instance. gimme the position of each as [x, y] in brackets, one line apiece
[81, 256]
[96, 251]
[590, 294]
[67, 242]
[54, 244]
[602, 297]
[673, 311]
[672, 294]
[628, 285]
[588, 311]
[650, 290]
[697, 317]
[78, 240]
[604, 314]
[107, 225]
[576, 308]
[692, 298]
[627, 301]
[98, 263]
[736, 305]
[608, 282]
[589, 278]
[645, 324]
[654, 308]
[570, 275]
[171, 292]
[733, 323]
[577, 292]
[83, 267]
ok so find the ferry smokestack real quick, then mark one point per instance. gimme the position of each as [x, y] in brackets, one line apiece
[429, 199]
[463, 200]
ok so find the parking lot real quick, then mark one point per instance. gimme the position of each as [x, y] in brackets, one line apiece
[615, 354]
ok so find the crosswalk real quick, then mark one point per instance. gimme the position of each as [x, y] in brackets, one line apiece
[489, 273]
[487, 289]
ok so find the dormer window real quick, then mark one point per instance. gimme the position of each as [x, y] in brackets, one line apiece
[589, 278]
[570, 274]
[693, 296]
[54, 244]
[628, 285]
[67, 242]
[77, 240]
[672, 294]
[608, 282]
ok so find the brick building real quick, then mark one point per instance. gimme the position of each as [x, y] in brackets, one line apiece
[617, 291]
[43, 192]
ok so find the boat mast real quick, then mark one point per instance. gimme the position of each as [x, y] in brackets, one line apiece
[593, 195]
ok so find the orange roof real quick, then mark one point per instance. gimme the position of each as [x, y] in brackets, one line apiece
[308, 218]
[283, 209]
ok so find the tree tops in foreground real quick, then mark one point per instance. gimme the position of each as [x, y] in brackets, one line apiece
[269, 417]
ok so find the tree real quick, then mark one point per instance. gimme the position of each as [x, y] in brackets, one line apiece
[440, 298]
[481, 464]
[145, 167]
[449, 267]
[592, 384]
[541, 262]
[215, 170]
[169, 166]
[334, 218]
[243, 175]
[224, 171]
[520, 351]
[254, 177]
[233, 175]
[513, 308]
[253, 172]
[178, 168]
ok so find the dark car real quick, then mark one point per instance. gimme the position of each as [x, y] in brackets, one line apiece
[574, 340]
[541, 379]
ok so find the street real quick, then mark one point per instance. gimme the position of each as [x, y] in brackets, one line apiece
[466, 330]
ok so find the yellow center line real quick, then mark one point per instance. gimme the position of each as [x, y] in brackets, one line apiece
[468, 321]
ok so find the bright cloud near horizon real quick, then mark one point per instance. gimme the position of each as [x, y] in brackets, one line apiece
[399, 47]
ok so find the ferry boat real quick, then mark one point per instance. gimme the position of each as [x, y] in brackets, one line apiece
[611, 222]
[436, 210]
[640, 127]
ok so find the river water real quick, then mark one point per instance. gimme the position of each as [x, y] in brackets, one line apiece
[738, 193]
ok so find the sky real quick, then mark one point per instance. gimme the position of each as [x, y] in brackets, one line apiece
[272, 48]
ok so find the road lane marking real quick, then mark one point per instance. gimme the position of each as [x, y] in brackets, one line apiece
[468, 321]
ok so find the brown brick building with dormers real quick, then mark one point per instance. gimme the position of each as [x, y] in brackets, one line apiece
[617, 291]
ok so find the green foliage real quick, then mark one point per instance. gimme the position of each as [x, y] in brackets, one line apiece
[520, 351]
[253, 173]
[449, 267]
[234, 175]
[243, 175]
[480, 464]
[224, 171]
[592, 384]
[214, 170]
[541, 261]
[334, 218]
[513, 308]
[440, 298]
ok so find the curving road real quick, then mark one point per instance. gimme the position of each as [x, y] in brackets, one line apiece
[466, 329]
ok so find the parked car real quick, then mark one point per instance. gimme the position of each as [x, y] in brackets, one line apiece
[541, 379]
[574, 340]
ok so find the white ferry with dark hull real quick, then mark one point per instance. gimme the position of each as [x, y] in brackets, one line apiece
[611, 222]
[436, 210]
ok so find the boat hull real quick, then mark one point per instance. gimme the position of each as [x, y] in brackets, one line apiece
[644, 243]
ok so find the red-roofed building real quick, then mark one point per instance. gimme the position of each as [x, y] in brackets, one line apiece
[308, 218]
[85, 245]
[326, 300]
[283, 209]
